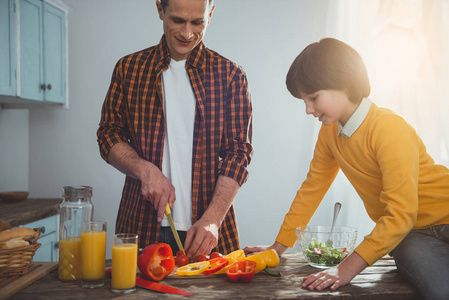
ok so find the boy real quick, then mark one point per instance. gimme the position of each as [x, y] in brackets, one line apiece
[402, 188]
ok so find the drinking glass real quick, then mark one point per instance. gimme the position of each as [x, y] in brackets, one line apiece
[93, 254]
[124, 262]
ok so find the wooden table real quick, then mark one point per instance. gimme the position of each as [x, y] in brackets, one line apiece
[381, 281]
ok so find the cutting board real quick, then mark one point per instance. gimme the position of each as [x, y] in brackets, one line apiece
[11, 285]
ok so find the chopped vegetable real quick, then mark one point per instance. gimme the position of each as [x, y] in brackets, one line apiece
[233, 257]
[264, 260]
[193, 268]
[323, 254]
[156, 261]
[181, 259]
[215, 255]
[216, 264]
[201, 257]
[242, 270]
[317, 251]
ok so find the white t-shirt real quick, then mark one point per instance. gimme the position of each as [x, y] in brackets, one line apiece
[179, 109]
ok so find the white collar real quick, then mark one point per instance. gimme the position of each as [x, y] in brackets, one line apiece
[356, 119]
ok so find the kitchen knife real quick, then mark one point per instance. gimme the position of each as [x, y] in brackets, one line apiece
[159, 287]
[173, 228]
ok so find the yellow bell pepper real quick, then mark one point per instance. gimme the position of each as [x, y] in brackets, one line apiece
[265, 259]
[193, 268]
[237, 255]
[233, 257]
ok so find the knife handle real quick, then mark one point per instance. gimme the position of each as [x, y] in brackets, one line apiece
[167, 209]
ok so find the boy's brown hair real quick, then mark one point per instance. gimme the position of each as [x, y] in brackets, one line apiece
[329, 65]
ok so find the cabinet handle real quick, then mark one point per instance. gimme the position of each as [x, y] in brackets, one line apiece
[43, 87]
[56, 246]
[42, 229]
[48, 86]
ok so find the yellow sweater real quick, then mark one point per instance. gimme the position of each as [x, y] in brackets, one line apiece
[387, 163]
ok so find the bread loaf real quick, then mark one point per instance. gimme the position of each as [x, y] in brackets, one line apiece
[4, 225]
[13, 244]
[21, 233]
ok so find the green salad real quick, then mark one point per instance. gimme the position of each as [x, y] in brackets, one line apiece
[320, 253]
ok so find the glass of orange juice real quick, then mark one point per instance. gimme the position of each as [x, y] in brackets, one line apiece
[124, 262]
[93, 254]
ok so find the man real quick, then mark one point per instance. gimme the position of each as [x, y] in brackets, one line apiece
[177, 120]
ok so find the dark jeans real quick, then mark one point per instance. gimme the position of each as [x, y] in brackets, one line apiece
[423, 257]
[166, 236]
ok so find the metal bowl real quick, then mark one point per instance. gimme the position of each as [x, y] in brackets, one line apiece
[13, 196]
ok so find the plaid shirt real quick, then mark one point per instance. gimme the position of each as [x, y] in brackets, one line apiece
[132, 113]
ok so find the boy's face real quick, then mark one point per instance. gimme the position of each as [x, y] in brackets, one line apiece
[329, 106]
[185, 23]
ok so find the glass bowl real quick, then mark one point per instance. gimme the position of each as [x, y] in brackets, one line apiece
[323, 249]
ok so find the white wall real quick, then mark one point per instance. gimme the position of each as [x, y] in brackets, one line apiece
[14, 150]
[261, 35]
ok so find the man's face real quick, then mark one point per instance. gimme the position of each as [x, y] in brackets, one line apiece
[185, 23]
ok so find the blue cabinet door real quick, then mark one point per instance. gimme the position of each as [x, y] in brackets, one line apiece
[54, 54]
[7, 49]
[31, 57]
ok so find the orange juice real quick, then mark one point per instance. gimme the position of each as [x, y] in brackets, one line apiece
[93, 250]
[69, 259]
[124, 263]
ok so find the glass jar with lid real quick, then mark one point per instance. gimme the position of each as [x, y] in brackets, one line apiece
[75, 209]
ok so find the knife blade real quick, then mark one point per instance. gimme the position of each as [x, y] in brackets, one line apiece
[173, 228]
[159, 287]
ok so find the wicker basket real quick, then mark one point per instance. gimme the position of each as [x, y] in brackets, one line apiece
[17, 261]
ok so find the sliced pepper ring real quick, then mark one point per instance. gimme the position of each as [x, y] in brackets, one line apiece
[233, 257]
[216, 264]
[193, 268]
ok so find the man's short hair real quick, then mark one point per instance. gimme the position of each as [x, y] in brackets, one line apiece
[329, 64]
[164, 3]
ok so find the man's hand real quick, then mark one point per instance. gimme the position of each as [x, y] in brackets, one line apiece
[156, 188]
[337, 276]
[203, 235]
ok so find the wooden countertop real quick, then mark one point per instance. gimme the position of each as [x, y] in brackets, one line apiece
[29, 210]
[380, 281]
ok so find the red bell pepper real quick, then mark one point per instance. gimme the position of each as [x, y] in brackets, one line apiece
[216, 264]
[156, 261]
[242, 270]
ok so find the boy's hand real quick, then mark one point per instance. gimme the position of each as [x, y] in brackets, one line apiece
[330, 277]
[337, 276]
[280, 249]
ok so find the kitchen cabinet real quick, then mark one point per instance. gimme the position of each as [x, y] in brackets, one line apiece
[35, 52]
[42, 51]
[7, 48]
[49, 249]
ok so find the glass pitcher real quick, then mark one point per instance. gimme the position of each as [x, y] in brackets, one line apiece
[75, 209]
